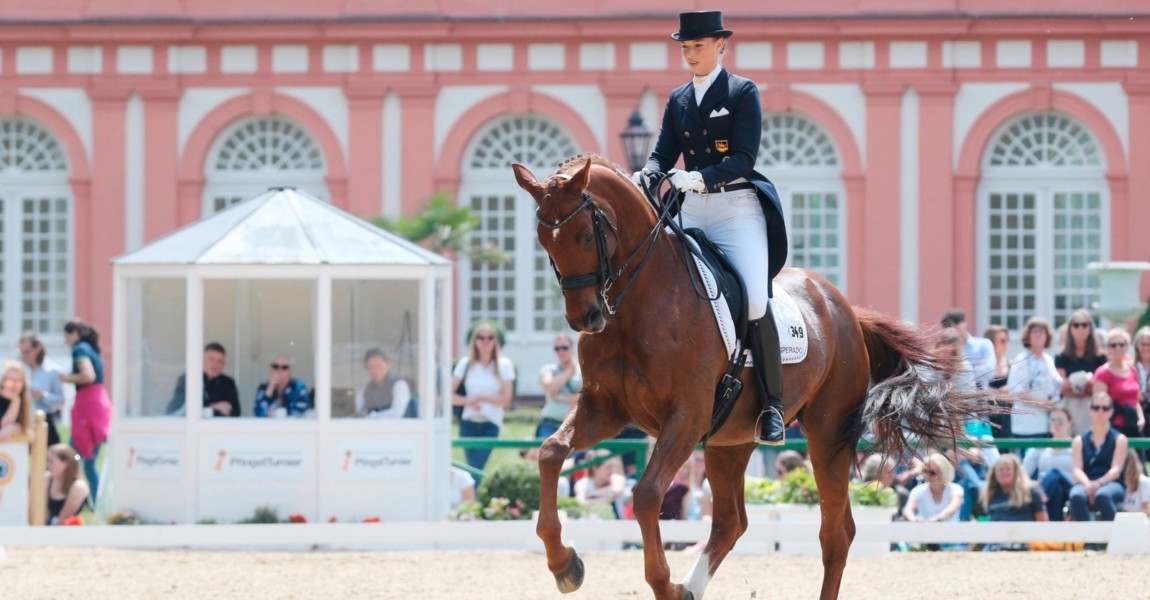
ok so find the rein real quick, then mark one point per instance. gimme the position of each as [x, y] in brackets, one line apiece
[604, 277]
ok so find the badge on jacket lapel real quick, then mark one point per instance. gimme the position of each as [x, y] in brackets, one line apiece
[721, 145]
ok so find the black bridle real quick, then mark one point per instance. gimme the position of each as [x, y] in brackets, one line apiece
[604, 277]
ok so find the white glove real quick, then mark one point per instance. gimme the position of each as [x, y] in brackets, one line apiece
[642, 178]
[685, 181]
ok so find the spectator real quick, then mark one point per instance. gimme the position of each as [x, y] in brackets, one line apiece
[1009, 494]
[1000, 337]
[1118, 381]
[787, 461]
[92, 410]
[385, 396]
[1098, 454]
[1076, 364]
[219, 390]
[1034, 376]
[486, 376]
[1053, 468]
[67, 493]
[879, 471]
[678, 496]
[1137, 485]
[1142, 365]
[282, 395]
[462, 487]
[604, 483]
[978, 351]
[44, 379]
[561, 383]
[15, 401]
[939, 499]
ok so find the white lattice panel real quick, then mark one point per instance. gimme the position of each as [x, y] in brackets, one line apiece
[26, 147]
[815, 234]
[493, 285]
[1044, 139]
[1012, 268]
[45, 258]
[1077, 241]
[527, 140]
[792, 140]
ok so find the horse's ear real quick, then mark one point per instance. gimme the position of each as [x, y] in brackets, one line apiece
[581, 177]
[526, 180]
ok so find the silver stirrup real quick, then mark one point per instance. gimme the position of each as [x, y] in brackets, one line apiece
[759, 429]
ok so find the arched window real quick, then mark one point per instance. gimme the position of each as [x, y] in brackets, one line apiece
[35, 231]
[800, 157]
[1044, 210]
[261, 152]
[522, 293]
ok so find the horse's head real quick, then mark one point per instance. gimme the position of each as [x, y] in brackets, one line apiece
[581, 239]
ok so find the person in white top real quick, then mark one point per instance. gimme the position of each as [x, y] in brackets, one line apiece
[486, 376]
[940, 498]
[1034, 377]
[1137, 485]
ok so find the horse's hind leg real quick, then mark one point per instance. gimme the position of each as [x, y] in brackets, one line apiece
[725, 468]
[832, 463]
[581, 429]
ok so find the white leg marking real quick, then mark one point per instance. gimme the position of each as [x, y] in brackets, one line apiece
[699, 576]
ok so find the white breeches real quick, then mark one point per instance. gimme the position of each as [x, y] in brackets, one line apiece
[734, 221]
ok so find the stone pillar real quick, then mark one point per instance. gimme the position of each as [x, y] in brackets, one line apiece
[365, 152]
[622, 100]
[161, 156]
[1137, 245]
[939, 215]
[417, 140]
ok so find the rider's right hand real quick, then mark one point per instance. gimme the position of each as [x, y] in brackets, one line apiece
[642, 178]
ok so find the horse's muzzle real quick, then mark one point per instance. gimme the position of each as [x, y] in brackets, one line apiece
[594, 321]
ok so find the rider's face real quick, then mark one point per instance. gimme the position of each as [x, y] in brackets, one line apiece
[702, 55]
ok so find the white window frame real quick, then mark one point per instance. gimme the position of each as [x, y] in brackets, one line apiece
[246, 184]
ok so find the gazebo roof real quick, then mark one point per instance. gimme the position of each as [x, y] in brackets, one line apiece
[282, 226]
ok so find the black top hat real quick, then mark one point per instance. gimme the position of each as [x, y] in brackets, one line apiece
[695, 25]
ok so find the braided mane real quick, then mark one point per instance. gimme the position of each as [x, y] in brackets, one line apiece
[596, 159]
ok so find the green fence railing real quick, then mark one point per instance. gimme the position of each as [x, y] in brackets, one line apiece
[639, 447]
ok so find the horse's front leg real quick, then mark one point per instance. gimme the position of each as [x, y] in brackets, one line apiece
[583, 427]
[673, 448]
[726, 466]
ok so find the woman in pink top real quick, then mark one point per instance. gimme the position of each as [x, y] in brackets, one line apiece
[1118, 380]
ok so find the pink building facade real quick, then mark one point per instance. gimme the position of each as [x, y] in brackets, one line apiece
[955, 153]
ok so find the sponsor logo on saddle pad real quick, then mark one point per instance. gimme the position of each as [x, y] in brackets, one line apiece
[788, 319]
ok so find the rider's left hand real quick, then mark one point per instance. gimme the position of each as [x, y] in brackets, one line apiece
[688, 181]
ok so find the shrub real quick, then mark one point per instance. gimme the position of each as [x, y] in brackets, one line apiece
[873, 494]
[514, 481]
[798, 487]
[126, 517]
[263, 514]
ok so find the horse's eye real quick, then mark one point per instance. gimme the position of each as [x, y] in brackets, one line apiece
[587, 238]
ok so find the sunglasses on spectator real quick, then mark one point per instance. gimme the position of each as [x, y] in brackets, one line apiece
[279, 367]
[1101, 407]
[485, 338]
[1117, 344]
[1079, 325]
[929, 472]
[1057, 421]
[563, 347]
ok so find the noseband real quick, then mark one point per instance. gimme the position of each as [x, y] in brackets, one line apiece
[604, 277]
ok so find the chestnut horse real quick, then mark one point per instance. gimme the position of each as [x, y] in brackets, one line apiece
[652, 355]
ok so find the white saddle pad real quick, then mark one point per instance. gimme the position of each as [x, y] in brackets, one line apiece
[788, 320]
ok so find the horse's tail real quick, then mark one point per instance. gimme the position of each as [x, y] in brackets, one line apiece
[913, 397]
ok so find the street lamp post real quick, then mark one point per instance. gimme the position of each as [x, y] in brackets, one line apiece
[636, 140]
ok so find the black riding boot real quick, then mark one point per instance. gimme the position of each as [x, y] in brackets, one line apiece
[769, 429]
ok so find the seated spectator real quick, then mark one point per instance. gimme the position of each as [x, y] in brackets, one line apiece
[604, 483]
[787, 461]
[939, 499]
[1009, 494]
[677, 498]
[44, 379]
[1053, 468]
[1099, 456]
[67, 491]
[561, 383]
[1034, 377]
[385, 396]
[1118, 381]
[15, 401]
[282, 395]
[462, 487]
[879, 471]
[219, 390]
[1137, 485]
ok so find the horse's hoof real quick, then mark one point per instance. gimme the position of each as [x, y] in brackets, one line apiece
[687, 595]
[570, 578]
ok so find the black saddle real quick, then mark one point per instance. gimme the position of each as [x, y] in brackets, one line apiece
[726, 277]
